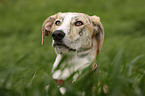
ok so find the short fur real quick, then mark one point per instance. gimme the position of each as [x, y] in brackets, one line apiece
[83, 42]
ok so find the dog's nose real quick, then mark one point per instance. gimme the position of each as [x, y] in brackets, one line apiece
[58, 35]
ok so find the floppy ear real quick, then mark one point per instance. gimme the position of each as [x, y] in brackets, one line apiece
[47, 24]
[98, 32]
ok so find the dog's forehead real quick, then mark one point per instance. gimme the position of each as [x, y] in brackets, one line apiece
[71, 16]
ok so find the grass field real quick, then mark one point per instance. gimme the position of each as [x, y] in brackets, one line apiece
[25, 64]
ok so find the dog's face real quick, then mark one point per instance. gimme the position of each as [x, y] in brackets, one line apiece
[73, 31]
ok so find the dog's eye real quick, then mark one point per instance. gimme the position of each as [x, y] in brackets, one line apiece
[57, 23]
[78, 23]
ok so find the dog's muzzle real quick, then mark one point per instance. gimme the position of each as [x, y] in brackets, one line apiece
[58, 36]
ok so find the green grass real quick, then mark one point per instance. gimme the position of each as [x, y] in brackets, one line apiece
[25, 64]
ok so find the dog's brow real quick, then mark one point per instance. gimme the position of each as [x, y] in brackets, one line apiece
[86, 18]
[66, 16]
[69, 17]
[61, 17]
[75, 17]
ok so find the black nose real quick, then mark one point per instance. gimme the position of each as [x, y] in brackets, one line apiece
[58, 35]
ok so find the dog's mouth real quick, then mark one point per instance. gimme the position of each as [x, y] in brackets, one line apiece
[61, 44]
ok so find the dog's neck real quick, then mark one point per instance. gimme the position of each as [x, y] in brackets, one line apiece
[65, 65]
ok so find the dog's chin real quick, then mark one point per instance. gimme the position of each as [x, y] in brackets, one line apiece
[61, 49]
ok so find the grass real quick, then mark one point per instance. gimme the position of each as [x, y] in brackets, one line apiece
[25, 65]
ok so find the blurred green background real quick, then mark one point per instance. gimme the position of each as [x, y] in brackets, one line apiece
[25, 64]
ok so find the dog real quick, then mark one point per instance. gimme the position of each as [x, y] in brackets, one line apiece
[76, 36]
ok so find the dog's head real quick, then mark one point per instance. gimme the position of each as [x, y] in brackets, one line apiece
[73, 32]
